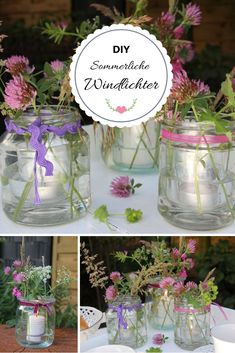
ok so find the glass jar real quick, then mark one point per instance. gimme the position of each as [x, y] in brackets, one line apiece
[32, 195]
[192, 325]
[131, 149]
[160, 308]
[126, 322]
[197, 176]
[35, 323]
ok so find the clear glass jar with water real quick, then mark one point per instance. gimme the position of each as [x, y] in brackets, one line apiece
[64, 195]
[35, 323]
[192, 325]
[126, 322]
[131, 149]
[196, 176]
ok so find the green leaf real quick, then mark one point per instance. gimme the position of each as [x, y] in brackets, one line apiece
[44, 85]
[133, 215]
[138, 185]
[227, 90]
[101, 213]
[154, 350]
[11, 323]
[48, 69]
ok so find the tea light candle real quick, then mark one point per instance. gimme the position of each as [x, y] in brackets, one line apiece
[208, 195]
[35, 328]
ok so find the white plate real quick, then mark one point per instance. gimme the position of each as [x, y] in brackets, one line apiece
[111, 349]
[205, 349]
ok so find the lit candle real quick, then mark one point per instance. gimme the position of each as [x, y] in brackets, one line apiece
[35, 328]
[206, 198]
[165, 310]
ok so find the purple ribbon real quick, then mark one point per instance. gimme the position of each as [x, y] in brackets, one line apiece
[37, 130]
[119, 309]
[36, 306]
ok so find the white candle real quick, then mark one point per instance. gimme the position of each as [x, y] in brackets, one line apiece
[206, 199]
[35, 328]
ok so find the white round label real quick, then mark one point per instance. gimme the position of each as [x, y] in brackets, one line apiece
[121, 75]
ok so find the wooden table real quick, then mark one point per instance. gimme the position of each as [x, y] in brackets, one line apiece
[65, 342]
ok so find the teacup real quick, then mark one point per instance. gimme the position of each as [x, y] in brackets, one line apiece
[224, 338]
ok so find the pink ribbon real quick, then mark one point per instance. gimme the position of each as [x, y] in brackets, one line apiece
[36, 306]
[194, 140]
[221, 309]
[191, 311]
[205, 308]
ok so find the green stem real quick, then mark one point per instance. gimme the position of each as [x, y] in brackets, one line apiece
[195, 112]
[22, 199]
[167, 312]
[190, 330]
[196, 181]
[137, 149]
[218, 177]
[199, 327]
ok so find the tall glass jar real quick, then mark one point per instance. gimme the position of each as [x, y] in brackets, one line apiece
[126, 322]
[35, 323]
[192, 325]
[160, 308]
[30, 194]
[197, 176]
[131, 149]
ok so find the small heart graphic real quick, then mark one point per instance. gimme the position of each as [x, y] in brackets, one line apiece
[121, 109]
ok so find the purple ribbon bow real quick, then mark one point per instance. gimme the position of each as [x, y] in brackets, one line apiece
[119, 309]
[36, 306]
[37, 130]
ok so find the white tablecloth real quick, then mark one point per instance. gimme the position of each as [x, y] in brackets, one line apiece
[100, 338]
[145, 199]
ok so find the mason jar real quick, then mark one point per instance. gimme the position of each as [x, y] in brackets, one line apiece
[126, 322]
[192, 325]
[197, 176]
[160, 312]
[131, 149]
[36, 196]
[35, 323]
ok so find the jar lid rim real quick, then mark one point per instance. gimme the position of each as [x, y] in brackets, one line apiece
[47, 300]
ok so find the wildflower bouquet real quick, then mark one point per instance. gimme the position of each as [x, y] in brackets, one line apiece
[50, 171]
[35, 316]
[32, 282]
[159, 289]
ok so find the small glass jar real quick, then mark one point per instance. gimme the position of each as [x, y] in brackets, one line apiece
[192, 325]
[35, 323]
[131, 149]
[126, 322]
[160, 308]
[197, 176]
[64, 195]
